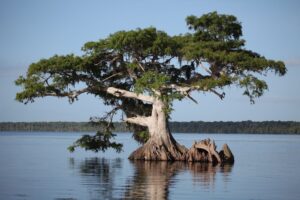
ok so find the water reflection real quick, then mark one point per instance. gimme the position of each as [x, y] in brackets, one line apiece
[204, 174]
[143, 180]
[152, 180]
[99, 174]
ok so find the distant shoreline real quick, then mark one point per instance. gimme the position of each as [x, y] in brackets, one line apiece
[242, 127]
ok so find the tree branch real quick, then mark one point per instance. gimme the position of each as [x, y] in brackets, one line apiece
[191, 98]
[72, 95]
[116, 74]
[182, 89]
[185, 91]
[139, 64]
[139, 120]
[206, 69]
[124, 93]
[221, 96]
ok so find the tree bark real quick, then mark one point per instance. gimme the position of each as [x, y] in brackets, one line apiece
[161, 144]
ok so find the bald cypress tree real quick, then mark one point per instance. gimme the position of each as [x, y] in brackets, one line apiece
[141, 72]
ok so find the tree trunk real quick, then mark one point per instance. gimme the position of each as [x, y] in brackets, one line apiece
[161, 145]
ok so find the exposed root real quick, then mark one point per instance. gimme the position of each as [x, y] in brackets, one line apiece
[204, 151]
[152, 150]
[226, 154]
[201, 151]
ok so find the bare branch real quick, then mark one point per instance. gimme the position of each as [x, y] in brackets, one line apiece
[116, 58]
[207, 70]
[185, 91]
[221, 96]
[72, 95]
[131, 74]
[139, 120]
[191, 98]
[124, 93]
[139, 64]
[168, 60]
[110, 115]
[182, 89]
[111, 76]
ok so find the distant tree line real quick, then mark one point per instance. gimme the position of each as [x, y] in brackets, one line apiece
[56, 126]
[265, 127]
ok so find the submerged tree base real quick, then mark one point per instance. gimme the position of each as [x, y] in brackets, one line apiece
[154, 150]
[201, 151]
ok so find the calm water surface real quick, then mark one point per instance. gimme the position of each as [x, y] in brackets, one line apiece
[38, 166]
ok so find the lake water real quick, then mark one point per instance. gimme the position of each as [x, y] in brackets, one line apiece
[38, 166]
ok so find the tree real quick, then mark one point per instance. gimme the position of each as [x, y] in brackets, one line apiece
[141, 72]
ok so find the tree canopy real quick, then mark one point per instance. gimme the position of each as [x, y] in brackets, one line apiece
[128, 69]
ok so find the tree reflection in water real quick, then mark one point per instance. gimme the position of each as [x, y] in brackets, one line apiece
[204, 174]
[150, 180]
[99, 174]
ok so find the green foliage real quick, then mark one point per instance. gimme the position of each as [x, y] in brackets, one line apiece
[149, 61]
[142, 42]
[54, 75]
[150, 81]
[254, 87]
[141, 136]
[216, 42]
[141, 59]
[210, 83]
[215, 27]
[98, 142]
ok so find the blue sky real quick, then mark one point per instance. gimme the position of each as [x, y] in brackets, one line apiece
[34, 29]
